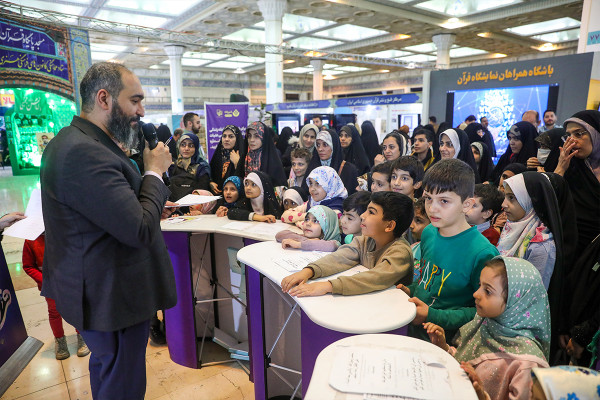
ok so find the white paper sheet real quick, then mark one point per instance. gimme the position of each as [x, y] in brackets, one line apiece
[268, 229]
[379, 371]
[32, 226]
[298, 260]
[237, 225]
[194, 199]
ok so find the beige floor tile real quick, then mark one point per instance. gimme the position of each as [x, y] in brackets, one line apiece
[79, 389]
[217, 387]
[43, 371]
[27, 297]
[152, 348]
[154, 387]
[74, 366]
[56, 392]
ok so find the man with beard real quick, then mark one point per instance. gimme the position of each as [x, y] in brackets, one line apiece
[106, 264]
[191, 124]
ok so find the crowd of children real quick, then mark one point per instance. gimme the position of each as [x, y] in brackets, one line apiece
[501, 262]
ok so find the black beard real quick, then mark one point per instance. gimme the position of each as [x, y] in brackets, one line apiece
[120, 126]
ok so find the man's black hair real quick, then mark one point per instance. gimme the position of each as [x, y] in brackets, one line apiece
[433, 119]
[548, 110]
[490, 198]
[101, 75]
[396, 207]
[428, 134]
[383, 168]
[470, 118]
[450, 176]
[357, 202]
[411, 165]
[480, 119]
[188, 117]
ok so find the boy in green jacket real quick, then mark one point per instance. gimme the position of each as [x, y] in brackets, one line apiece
[381, 249]
[452, 252]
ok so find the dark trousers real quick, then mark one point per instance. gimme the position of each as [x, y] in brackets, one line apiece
[118, 362]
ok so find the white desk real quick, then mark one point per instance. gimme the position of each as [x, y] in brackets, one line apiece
[324, 319]
[319, 388]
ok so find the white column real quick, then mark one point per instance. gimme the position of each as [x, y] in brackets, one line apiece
[175, 51]
[272, 11]
[317, 65]
[589, 31]
[443, 42]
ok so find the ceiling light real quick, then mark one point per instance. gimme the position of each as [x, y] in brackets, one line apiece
[411, 65]
[329, 77]
[239, 70]
[384, 71]
[401, 36]
[499, 55]
[289, 61]
[453, 23]
[484, 34]
[143, 49]
[313, 53]
[547, 47]
[155, 66]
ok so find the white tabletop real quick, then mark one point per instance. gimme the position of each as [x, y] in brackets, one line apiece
[319, 388]
[375, 312]
[210, 223]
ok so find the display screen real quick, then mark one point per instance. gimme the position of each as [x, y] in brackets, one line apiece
[502, 106]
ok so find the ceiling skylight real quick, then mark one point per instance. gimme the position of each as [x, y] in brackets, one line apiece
[52, 6]
[352, 69]
[254, 60]
[388, 54]
[557, 37]
[131, 18]
[465, 51]
[543, 27]
[418, 58]
[204, 56]
[249, 35]
[229, 65]
[171, 7]
[311, 43]
[458, 8]
[299, 24]
[350, 32]
[423, 48]
[298, 70]
[189, 62]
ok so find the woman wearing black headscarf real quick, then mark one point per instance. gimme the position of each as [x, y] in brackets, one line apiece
[521, 146]
[370, 141]
[328, 152]
[283, 143]
[483, 159]
[477, 133]
[579, 163]
[261, 154]
[353, 149]
[190, 171]
[226, 157]
[454, 143]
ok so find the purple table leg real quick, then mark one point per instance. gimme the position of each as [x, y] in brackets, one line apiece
[181, 329]
[314, 338]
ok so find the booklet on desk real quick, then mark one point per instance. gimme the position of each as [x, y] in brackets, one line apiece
[389, 371]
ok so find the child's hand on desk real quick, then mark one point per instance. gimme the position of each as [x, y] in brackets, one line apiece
[422, 311]
[290, 244]
[404, 289]
[436, 335]
[222, 211]
[264, 218]
[475, 380]
[311, 289]
[296, 278]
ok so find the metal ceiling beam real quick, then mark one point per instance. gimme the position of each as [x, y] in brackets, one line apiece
[165, 36]
[397, 11]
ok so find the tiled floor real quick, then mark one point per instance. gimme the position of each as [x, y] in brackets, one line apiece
[49, 379]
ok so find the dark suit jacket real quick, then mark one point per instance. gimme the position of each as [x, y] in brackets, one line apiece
[106, 263]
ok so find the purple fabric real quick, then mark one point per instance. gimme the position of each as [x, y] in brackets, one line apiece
[314, 338]
[180, 328]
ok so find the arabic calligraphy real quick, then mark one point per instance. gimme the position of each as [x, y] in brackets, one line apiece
[25, 39]
[507, 74]
[31, 62]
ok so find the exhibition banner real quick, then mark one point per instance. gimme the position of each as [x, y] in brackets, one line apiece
[218, 116]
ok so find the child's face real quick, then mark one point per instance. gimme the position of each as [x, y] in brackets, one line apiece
[311, 227]
[350, 223]
[230, 193]
[419, 223]
[186, 148]
[381, 182]
[505, 175]
[289, 203]
[421, 145]
[372, 222]
[316, 191]
[447, 150]
[402, 182]
[489, 298]
[390, 148]
[476, 215]
[299, 166]
[476, 154]
[445, 209]
[510, 205]
[251, 189]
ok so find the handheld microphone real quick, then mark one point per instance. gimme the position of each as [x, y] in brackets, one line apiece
[150, 135]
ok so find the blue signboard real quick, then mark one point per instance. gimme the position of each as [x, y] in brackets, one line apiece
[26, 39]
[57, 67]
[377, 100]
